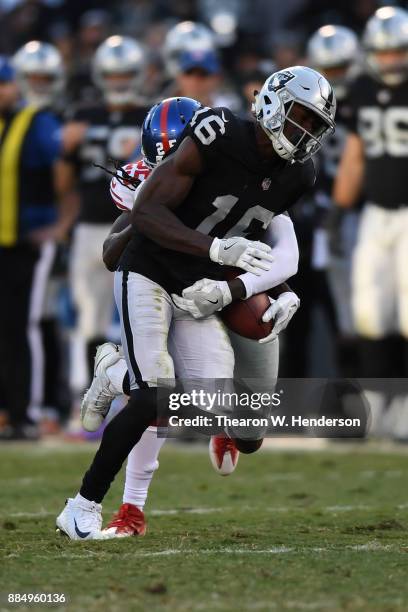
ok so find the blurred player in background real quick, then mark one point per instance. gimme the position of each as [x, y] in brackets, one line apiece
[41, 78]
[103, 131]
[30, 223]
[374, 163]
[334, 51]
[192, 63]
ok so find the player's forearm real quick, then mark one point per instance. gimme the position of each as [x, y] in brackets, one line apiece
[67, 197]
[282, 268]
[281, 237]
[348, 183]
[153, 215]
[163, 227]
[278, 290]
[238, 291]
[68, 209]
[348, 186]
[114, 246]
[164, 191]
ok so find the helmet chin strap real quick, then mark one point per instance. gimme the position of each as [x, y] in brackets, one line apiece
[277, 146]
[281, 151]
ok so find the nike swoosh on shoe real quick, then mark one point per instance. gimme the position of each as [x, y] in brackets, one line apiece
[81, 534]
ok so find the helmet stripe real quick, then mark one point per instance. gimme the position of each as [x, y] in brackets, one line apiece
[163, 125]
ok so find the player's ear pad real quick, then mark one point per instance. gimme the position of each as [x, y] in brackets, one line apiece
[248, 446]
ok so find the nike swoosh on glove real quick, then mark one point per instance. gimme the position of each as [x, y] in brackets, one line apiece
[249, 255]
[204, 298]
[282, 310]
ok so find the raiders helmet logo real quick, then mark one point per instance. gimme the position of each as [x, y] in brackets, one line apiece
[280, 79]
[266, 183]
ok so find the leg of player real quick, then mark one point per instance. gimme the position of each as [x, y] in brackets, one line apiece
[109, 372]
[111, 379]
[400, 422]
[141, 464]
[201, 350]
[94, 307]
[256, 366]
[146, 313]
[373, 302]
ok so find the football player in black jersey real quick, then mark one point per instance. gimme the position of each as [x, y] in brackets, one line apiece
[254, 360]
[205, 206]
[326, 233]
[109, 130]
[375, 163]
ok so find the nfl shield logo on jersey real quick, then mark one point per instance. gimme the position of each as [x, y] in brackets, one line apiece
[266, 183]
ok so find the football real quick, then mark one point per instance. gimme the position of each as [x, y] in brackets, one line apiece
[244, 317]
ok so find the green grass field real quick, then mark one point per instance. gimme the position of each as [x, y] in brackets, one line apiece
[288, 531]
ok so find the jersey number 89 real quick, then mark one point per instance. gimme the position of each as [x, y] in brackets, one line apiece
[385, 132]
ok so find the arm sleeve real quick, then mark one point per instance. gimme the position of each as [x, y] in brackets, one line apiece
[281, 236]
[72, 116]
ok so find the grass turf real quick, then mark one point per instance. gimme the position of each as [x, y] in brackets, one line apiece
[288, 531]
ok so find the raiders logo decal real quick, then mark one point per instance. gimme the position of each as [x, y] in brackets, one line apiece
[266, 183]
[280, 79]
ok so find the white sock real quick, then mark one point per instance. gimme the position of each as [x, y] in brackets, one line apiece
[116, 374]
[78, 498]
[141, 465]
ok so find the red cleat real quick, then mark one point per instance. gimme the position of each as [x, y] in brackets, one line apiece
[129, 521]
[223, 454]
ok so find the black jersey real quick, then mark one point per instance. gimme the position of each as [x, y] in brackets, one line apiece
[237, 194]
[380, 117]
[111, 135]
[328, 158]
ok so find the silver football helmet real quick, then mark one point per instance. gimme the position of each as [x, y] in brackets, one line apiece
[387, 30]
[296, 108]
[332, 46]
[118, 69]
[185, 36]
[40, 72]
[334, 50]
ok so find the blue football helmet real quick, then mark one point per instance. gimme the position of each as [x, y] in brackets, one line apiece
[163, 126]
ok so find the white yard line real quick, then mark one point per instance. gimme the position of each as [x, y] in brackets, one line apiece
[369, 547]
[349, 508]
[38, 514]
[24, 481]
[42, 513]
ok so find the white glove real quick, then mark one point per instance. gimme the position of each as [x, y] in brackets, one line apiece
[249, 255]
[282, 310]
[204, 298]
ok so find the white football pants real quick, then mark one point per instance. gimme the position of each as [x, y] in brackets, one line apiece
[380, 273]
[91, 282]
[159, 339]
